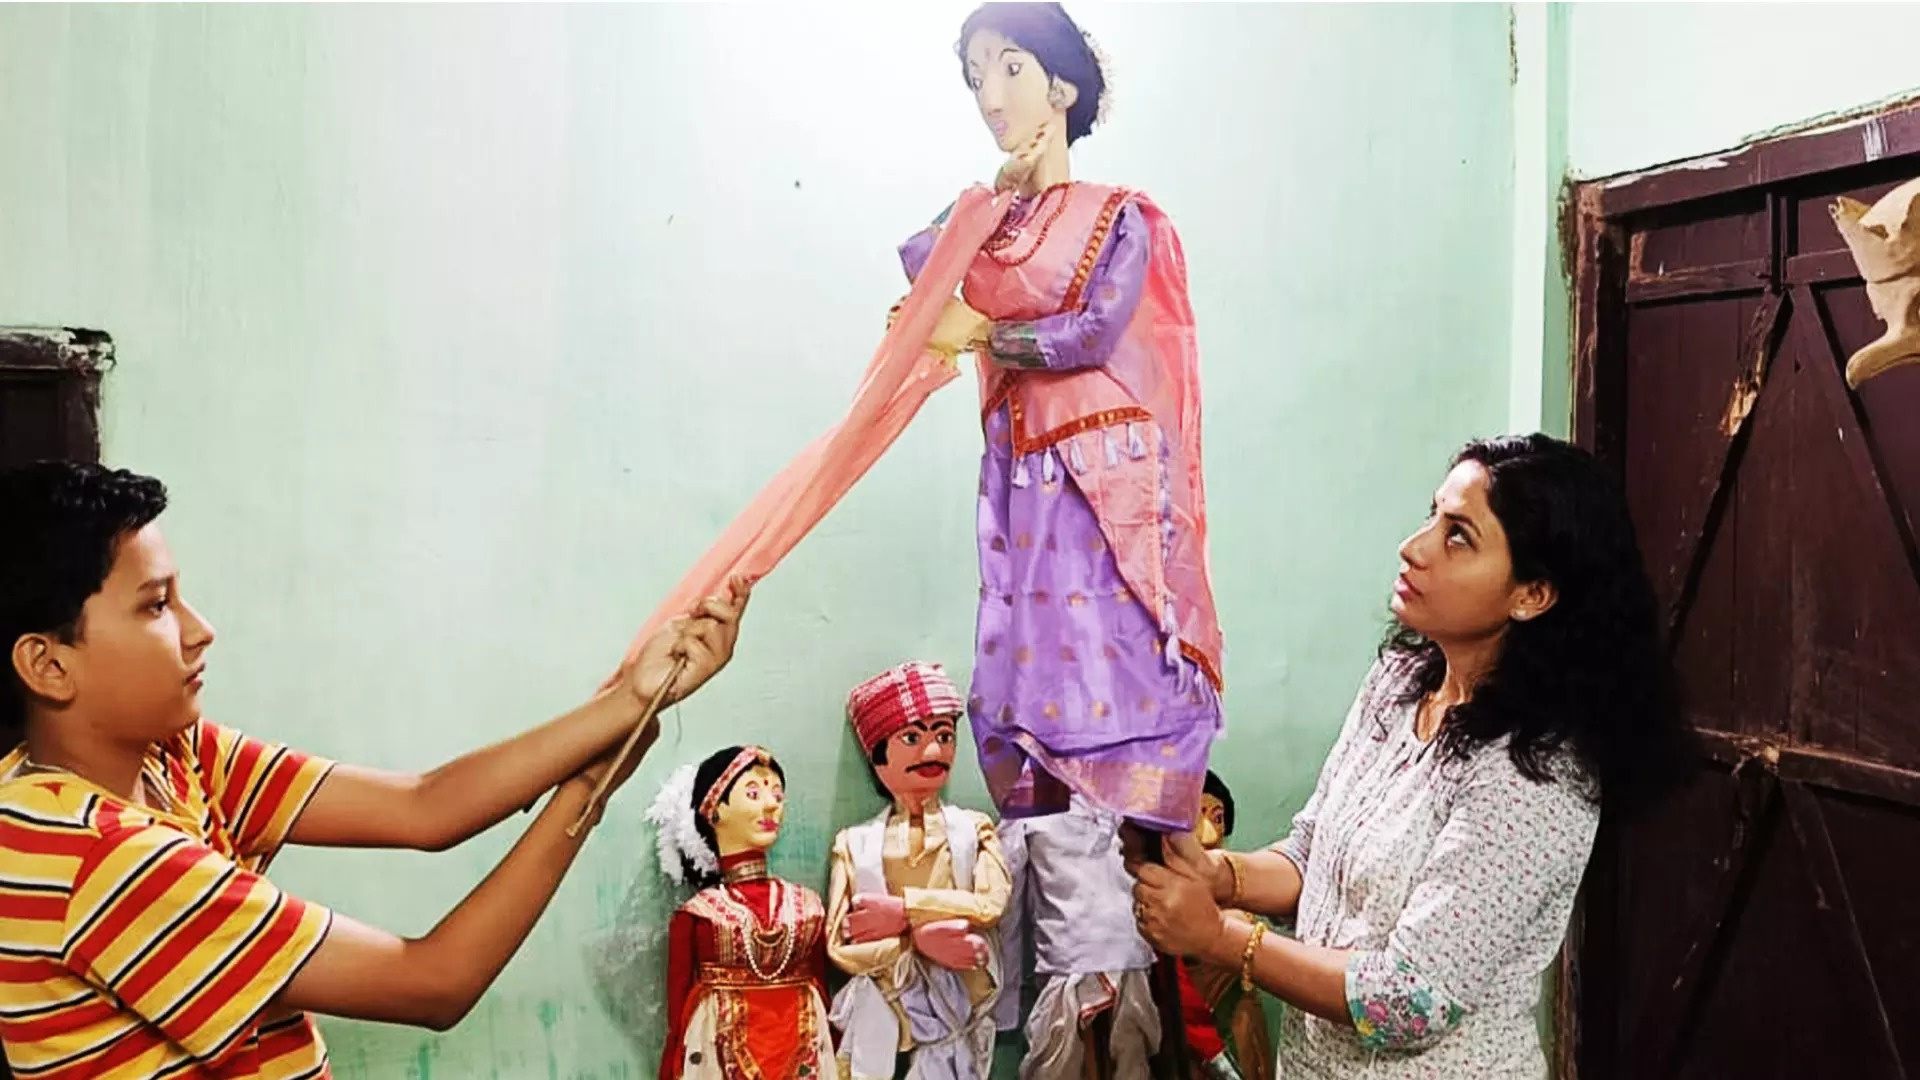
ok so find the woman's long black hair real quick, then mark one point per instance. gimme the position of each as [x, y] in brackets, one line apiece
[1591, 676]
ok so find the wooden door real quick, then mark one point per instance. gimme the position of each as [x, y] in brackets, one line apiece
[1767, 923]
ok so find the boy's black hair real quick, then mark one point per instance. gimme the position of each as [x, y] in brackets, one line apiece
[64, 521]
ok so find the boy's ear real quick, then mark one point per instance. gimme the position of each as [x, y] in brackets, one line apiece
[43, 665]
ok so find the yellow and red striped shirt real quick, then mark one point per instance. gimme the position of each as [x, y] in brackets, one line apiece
[137, 944]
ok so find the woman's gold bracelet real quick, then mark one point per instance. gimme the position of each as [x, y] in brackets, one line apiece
[1246, 958]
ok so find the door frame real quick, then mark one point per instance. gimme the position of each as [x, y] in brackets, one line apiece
[1596, 255]
[74, 361]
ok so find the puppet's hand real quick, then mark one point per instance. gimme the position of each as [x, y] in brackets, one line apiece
[951, 944]
[875, 916]
[959, 330]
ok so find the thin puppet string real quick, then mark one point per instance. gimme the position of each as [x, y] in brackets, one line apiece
[626, 748]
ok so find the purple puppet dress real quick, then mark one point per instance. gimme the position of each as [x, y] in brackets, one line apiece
[1098, 649]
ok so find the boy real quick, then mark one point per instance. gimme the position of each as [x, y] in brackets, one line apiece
[138, 938]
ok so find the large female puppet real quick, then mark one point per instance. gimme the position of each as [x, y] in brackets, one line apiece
[746, 956]
[1098, 651]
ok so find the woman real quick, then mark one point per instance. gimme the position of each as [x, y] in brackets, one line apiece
[1431, 874]
[746, 958]
[1098, 650]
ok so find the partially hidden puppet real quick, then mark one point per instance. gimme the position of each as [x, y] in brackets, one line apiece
[1226, 1026]
[1073, 906]
[1098, 650]
[1885, 242]
[916, 895]
[746, 955]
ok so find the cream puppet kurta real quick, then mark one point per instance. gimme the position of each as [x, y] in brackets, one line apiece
[916, 896]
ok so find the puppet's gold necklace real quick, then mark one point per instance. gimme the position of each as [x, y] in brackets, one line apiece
[765, 942]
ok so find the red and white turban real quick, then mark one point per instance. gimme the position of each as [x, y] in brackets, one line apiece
[915, 691]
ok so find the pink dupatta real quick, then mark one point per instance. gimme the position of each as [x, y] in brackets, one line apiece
[900, 378]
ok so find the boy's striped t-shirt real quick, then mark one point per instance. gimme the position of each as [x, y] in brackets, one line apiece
[138, 943]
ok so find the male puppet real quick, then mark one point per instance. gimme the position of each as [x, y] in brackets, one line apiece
[915, 895]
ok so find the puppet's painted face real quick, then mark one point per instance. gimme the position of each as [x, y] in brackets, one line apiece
[749, 819]
[918, 759]
[1212, 829]
[1011, 89]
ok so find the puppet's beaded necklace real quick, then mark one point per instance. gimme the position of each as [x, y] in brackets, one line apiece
[1015, 225]
[764, 943]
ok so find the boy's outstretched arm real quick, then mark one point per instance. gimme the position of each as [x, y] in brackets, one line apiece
[365, 973]
[432, 811]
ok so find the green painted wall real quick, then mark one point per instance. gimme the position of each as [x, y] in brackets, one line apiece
[1538, 396]
[460, 332]
[1652, 83]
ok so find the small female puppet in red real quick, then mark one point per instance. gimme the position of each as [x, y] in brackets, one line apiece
[746, 957]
